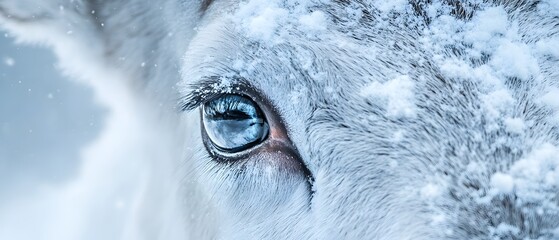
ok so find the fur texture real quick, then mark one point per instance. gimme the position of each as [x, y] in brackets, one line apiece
[413, 120]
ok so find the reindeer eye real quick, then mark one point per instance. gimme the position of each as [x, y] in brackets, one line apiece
[234, 123]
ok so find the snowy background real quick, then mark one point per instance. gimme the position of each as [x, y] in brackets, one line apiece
[45, 120]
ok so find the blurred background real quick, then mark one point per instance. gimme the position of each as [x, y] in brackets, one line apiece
[45, 120]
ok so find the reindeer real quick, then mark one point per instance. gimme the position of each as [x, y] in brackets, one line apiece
[309, 119]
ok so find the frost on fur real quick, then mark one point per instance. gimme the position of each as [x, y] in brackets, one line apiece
[407, 119]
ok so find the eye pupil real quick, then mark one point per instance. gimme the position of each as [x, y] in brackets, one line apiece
[234, 123]
[230, 115]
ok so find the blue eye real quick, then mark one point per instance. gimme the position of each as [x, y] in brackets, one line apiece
[234, 123]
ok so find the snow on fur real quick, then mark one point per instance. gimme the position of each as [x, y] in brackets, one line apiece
[415, 119]
[397, 95]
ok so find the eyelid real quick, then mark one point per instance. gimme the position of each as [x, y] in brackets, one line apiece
[213, 87]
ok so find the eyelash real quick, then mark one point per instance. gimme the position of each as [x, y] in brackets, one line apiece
[211, 88]
[224, 106]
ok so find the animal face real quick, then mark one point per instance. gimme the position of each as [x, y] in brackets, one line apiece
[341, 119]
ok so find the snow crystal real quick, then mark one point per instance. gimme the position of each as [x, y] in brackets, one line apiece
[10, 62]
[398, 94]
[515, 125]
[502, 183]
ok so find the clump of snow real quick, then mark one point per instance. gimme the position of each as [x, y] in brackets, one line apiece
[438, 219]
[315, 21]
[502, 183]
[298, 95]
[514, 60]
[549, 7]
[265, 23]
[551, 98]
[387, 6]
[492, 52]
[534, 179]
[538, 171]
[398, 136]
[497, 102]
[271, 21]
[490, 32]
[503, 230]
[397, 94]
[454, 68]
[430, 191]
[484, 28]
[548, 47]
[515, 125]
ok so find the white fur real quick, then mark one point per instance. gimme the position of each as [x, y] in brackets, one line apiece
[441, 160]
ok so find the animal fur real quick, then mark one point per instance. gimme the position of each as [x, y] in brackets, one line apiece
[424, 162]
